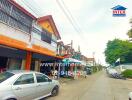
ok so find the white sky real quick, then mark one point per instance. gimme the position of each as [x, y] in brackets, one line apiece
[94, 17]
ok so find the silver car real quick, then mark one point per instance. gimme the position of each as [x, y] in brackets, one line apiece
[26, 85]
[130, 96]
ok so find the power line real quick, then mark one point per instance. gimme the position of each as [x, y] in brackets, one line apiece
[31, 8]
[38, 6]
[71, 15]
[68, 17]
[71, 19]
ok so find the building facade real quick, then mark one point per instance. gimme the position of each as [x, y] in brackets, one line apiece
[25, 40]
[91, 61]
[61, 50]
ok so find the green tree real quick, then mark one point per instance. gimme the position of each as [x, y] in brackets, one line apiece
[131, 20]
[118, 49]
[129, 33]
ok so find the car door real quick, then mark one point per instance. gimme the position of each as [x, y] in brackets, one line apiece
[23, 87]
[44, 87]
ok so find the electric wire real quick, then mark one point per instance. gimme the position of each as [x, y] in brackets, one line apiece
[31, 8]
[73, 18]
[68, 17]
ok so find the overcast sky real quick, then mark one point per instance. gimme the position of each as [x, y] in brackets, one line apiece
[93, 17]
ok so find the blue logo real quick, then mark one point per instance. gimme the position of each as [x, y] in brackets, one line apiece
[119, 11]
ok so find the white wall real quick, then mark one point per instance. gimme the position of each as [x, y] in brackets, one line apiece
[17, 34]
[14, 33]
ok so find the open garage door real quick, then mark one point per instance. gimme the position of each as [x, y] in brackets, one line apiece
[11, 58]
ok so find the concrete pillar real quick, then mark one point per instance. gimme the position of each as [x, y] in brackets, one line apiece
[39, 62]
[23, 64]
[37, 65]
[28, 60]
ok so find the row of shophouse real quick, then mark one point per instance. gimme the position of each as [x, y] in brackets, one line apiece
[26, 41]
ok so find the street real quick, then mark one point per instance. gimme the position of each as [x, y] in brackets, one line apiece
[48, 47]
[96, 87]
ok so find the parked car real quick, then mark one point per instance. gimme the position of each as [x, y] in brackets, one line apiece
[26, 85]
[130, 96]
[114, 74]
[88, 70]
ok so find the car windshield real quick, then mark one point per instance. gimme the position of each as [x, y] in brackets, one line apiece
[5, 75]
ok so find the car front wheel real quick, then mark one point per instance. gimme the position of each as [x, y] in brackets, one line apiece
[55, 91]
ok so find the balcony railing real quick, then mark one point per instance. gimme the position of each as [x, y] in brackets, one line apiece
[10, 15]
[44, 44]
[14, 33]
[17, 34]
[45, 36]
[17, 25]
[46, 40]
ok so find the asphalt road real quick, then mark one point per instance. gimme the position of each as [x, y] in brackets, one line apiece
[96, 87]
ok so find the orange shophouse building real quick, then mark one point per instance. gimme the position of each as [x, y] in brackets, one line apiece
[25, 40]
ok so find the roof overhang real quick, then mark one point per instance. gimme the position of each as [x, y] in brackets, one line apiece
[23, 46]
[50, 19]
[22, 9]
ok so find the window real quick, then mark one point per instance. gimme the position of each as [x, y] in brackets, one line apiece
[4, 76]
[25, 79]
[5, 6]
[45, 36]
[41, 78]
[14, 17]
[36, 33]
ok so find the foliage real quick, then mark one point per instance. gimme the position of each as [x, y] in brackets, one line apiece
[99, 67]
[131, 20]
[118, 49]
[127, 73]
[129, 33]
[96, 68]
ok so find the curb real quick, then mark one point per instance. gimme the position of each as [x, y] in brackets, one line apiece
[129, 79]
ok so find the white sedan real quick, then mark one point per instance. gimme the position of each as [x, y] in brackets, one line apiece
[112, 71]
[130, 96]
[26, 85]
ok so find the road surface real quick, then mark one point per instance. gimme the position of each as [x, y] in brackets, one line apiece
[96, 87]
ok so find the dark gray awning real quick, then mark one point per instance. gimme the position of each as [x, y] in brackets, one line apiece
[12, 52]
[44, 57]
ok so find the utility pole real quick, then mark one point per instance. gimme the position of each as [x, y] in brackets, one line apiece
[93, 59]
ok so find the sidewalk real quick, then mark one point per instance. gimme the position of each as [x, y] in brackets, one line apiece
[65, 80]
[68, 80]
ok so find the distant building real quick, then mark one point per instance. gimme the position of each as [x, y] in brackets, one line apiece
[61, 51]
[91, 61]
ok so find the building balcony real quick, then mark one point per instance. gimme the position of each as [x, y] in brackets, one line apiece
[44, 44]
[17, 34]
[14, 33]
[16, 30]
